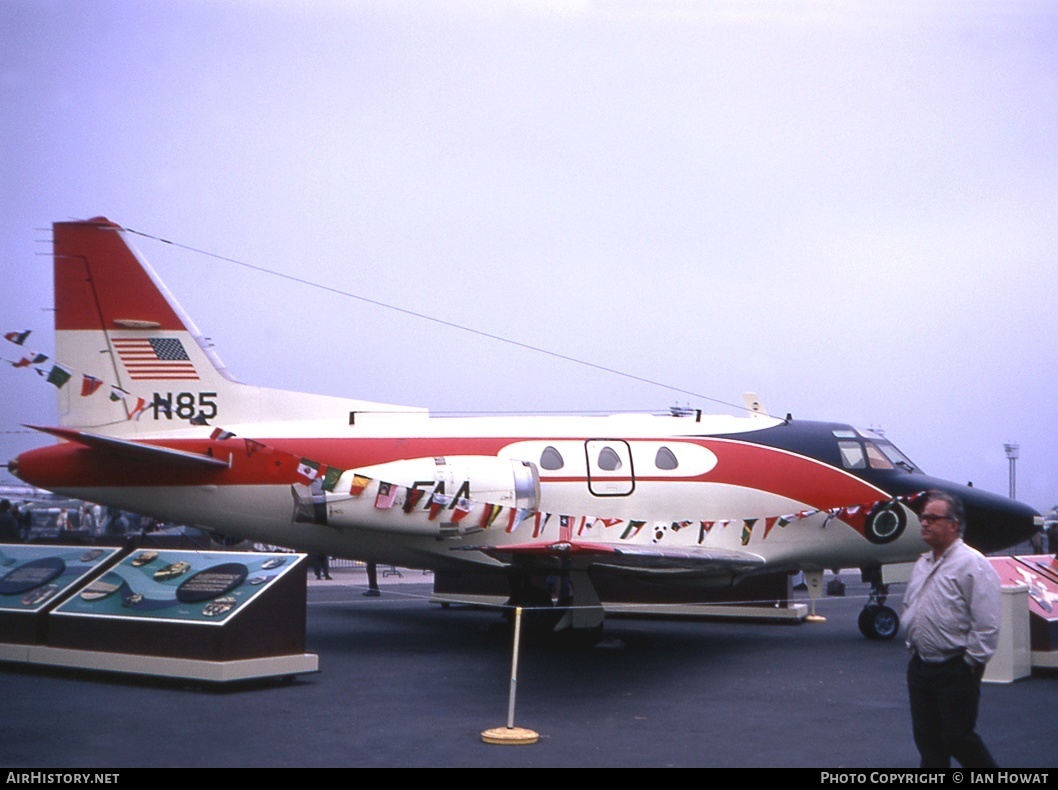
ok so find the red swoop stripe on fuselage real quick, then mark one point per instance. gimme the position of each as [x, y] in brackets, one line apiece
[740, 464]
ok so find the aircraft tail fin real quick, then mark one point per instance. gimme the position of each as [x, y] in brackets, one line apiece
[136, 362]
[127, 344]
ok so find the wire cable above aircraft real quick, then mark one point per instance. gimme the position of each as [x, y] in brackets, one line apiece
[441, 321]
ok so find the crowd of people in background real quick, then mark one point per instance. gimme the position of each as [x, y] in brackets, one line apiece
[26, 522]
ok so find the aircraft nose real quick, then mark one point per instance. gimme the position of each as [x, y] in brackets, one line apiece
[994, 522]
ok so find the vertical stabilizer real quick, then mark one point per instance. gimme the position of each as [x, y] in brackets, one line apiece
[137, 364]
[130, 349]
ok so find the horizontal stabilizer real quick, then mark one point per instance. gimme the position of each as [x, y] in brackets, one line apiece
[137, 451]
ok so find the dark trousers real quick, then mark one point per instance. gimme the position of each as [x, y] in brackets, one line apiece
[944, 700]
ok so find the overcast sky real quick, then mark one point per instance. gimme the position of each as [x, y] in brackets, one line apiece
[849, 208]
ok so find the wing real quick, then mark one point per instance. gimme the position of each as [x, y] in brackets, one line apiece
[692, 560]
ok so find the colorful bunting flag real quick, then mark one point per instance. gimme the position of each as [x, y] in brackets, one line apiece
[438, 501]
[461, 508]
[565, 527]
[89, 384]
[59, 376]
[31, 358]
[308, 469]
[855, 516]
[632, 529]
[138, 409]
[747, 529]
[360, 482]
[219, 435]
[516, 517]
[412, 499]
[703, 529]
[489, 515]
[18, 338]
[331, 477]
[540, 523]
[387, 492]
[769, 523]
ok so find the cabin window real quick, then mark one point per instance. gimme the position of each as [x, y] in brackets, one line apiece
[665, 459]
[852, 455]
[551, 459]
[609, 460]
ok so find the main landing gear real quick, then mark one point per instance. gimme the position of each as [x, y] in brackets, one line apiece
[578, 610]
[878, 621]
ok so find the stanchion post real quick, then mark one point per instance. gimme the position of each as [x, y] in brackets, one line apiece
[511, 735]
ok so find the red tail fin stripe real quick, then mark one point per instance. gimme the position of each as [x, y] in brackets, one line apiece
[99, 280]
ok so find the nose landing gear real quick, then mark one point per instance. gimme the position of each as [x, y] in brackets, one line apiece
[878, 621]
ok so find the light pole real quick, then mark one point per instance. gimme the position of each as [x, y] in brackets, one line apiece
[1012, 456]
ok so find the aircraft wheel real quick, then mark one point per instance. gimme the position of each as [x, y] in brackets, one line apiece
[863, 621]
[878, 622]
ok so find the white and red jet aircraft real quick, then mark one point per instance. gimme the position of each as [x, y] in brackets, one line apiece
[683, 498]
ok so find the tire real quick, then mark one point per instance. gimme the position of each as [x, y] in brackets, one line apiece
[865, 619]
[879, 622]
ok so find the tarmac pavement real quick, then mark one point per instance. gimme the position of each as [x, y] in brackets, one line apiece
[405, 682]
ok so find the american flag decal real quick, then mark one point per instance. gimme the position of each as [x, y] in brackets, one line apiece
[159, 358]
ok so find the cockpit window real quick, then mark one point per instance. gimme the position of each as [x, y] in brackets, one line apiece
[609, 460]
[876, 458]
[897, 457]
[875, 440]
[665, 459]
[551, 459]
[852, 455]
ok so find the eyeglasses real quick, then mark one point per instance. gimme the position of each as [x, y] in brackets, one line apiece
[929, 518]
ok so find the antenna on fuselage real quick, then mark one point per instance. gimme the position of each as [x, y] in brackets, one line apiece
[753, 404]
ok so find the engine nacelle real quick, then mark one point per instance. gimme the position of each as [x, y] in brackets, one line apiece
[427, 496]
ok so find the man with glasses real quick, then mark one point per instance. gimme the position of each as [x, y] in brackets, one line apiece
[951, 624]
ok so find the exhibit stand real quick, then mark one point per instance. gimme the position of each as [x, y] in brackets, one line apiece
[207, 616]
[1035, 624]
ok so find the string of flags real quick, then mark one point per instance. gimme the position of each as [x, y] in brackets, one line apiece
[59, 375]
[389, 495]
